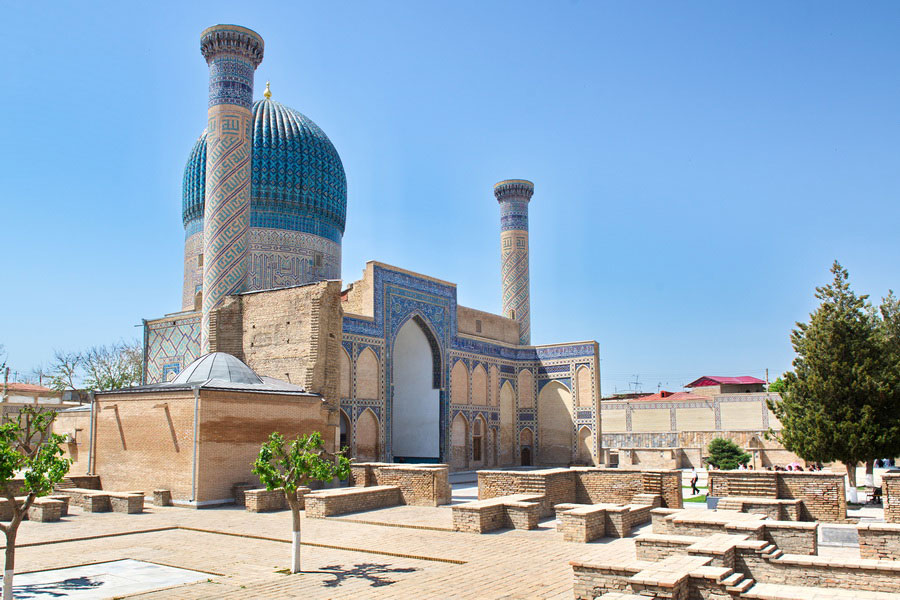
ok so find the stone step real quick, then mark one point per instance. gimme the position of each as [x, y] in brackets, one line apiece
[771, 591]
[733, 579]
[740, 587]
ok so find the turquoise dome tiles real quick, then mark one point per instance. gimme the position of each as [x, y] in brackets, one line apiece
[298, 178]
[194, 182]
[298, 181]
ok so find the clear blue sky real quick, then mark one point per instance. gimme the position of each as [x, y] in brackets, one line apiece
[697, 165]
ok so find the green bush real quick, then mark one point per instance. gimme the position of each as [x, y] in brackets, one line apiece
[726, 455]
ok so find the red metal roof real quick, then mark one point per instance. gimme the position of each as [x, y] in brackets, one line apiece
[669, 397]
[26, 387]
[713, 380]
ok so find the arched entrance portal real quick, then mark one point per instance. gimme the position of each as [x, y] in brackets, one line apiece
[415, 420]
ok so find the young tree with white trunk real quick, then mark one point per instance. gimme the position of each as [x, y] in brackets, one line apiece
[28, 450]
[287, 468]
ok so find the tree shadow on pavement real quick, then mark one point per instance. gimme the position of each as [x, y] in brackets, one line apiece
[54, 589]
[375, 573]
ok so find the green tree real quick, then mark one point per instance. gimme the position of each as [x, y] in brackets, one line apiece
[777, 386]
[29, 450]
[726, 455]
[840, 402]
[287, 468]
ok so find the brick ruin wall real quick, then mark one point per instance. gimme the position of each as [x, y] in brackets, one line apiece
[420, 485]
[822, 494]
[890, 494]
[879, 541]
[291, 334]
[583, 485]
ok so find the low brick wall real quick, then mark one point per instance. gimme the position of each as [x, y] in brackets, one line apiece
[661, 524]
[584, 485]
[815, 571]
[164, 498]
[44, 510]
[792, 537]
[890, 495]
[88, 482]
[655, 547]
[62, 498]
[263, 500]
[516, 511]
[880, 541]
[95, 503]
[327, 503]
[88, 499]
[822, 494]
[420, 485]
[239, 490]
[594, 580]
[126, 503]
[760, 484]
[365, 474]
[775, 509]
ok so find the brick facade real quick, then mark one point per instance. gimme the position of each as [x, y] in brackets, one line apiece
[146, 441]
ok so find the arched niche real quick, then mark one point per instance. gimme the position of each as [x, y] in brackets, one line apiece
[459, 383]
[479, 386]
[368, 380]
[507, 425]
[555, 424]
[416, 395]
[525, 384]
[459, 434]
[367, 446]
[345, 374]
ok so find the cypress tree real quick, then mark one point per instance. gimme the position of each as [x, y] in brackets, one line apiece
[841, 401]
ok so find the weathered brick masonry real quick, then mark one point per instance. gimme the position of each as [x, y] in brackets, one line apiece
[420, 485]
[822, 494]
[890, 493]
[583, 485]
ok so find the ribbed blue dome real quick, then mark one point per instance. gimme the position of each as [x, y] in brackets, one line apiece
[298, 179]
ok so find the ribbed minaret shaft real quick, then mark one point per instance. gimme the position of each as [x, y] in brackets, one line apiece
[513, 196]
[232, 53]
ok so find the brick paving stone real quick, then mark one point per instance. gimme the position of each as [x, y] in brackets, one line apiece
[242, 551]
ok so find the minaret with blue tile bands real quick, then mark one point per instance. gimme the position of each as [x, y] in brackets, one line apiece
[232, 53]
[513, 196]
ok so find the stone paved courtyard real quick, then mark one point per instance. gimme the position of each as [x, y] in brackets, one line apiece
[242, 552]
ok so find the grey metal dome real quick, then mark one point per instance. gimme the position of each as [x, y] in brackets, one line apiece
[219, 366]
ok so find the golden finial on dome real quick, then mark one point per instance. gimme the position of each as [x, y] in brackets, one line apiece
[268, 92]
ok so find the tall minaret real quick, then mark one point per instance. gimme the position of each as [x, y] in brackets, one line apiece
[513, 196]
[232, 53]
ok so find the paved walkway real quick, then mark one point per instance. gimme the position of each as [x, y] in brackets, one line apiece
[242, 553]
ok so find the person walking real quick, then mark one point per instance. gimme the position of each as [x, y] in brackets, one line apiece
[694, 478]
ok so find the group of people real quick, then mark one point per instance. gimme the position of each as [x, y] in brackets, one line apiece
[795, 467]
